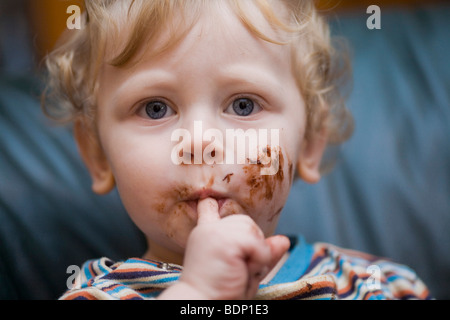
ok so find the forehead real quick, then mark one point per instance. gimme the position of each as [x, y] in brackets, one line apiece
[216, 45]
[144, 26]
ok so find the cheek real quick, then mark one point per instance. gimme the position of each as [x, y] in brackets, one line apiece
[137, 179]
[265, 195]
[138, 171]
[139, 160]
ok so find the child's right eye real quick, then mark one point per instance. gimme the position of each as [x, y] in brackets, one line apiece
[157, 109]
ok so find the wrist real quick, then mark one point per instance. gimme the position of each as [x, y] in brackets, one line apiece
[182, 290]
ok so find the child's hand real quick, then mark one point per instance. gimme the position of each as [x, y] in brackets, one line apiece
[226, 258]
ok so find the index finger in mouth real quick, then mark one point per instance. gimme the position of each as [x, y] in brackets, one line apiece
[208, 210]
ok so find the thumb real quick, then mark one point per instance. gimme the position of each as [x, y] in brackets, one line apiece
[207, 210]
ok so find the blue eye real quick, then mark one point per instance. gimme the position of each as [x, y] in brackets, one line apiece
[243, 106]
[156, 109]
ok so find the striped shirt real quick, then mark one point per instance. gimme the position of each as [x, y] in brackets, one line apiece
[312, 271]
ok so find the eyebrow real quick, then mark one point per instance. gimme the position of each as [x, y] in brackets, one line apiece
[234, 75]
[245, 74]
[145, 79]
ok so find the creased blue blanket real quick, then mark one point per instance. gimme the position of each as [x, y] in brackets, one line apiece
[390, 191]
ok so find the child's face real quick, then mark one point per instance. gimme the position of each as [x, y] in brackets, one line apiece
[227, 78]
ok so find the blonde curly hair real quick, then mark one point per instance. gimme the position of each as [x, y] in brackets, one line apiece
[74, 64]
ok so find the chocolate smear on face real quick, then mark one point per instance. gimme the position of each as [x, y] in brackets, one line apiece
[263, 186]
[179, 193]
[228, 177]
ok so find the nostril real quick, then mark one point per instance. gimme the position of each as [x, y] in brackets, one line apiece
[213, 153]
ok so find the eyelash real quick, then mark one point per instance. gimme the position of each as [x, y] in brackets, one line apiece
[255, 100]
[141, 109]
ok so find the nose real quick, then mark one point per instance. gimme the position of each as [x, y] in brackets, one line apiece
[200, 144]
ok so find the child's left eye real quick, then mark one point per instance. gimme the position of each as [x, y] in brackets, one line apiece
[243, 107]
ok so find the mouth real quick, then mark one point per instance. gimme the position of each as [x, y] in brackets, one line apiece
[192, 199]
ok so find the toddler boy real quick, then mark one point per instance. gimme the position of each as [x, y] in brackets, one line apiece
[138, 73]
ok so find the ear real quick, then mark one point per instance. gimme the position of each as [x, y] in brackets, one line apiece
[308, 165]
[93, 157]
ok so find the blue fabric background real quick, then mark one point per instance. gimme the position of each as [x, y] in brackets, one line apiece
[390, 191]
[388, 195]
